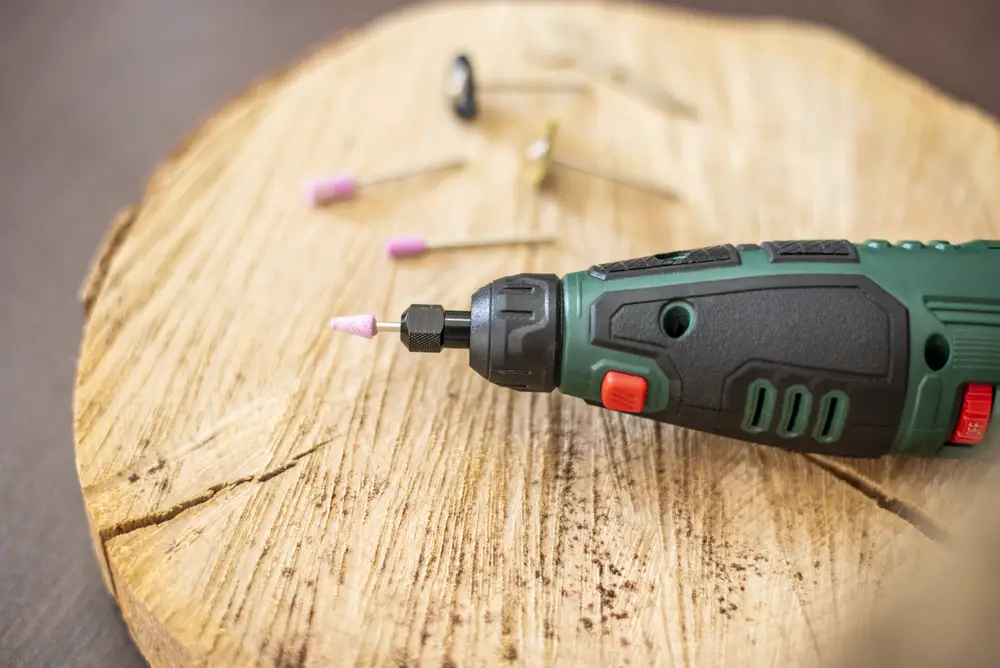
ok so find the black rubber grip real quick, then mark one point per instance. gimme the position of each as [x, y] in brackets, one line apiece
[815, 250]
[685, 260]
[823, 356]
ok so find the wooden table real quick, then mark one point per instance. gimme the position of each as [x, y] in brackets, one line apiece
[52, 609]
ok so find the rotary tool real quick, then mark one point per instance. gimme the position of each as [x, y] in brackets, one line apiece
[823, 346]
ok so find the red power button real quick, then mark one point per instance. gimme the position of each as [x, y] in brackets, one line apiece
[974, 416]
[623, 392]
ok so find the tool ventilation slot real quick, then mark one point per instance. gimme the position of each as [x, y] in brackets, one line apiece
[795, 412]
[832, 417]
[759, 410]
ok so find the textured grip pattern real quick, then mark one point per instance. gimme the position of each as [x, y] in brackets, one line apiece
[699, 258]
[815, 250]
[425, 342]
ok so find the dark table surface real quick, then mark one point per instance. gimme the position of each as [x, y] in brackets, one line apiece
[92, 95]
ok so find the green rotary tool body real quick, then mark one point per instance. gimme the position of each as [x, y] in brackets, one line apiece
[820, 346]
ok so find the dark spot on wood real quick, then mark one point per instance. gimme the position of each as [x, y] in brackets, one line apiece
[424, 635]
[448, 663]
[624, 641]
[160, 463]
[287, 571]
[590, 606]
[488, 617]
[164, 484]
[506, 625]
[456, 620]
[134, 477]
[510, 653]
[587, 623]
[816, 564]
[798, 575]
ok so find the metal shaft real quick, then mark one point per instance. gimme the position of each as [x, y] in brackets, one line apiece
[454, 163]
[387, 327]
[644, 186]
[491, 241]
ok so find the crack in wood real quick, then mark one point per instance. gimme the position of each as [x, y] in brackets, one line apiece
[167, 514]
[906, 511]
[114, 239]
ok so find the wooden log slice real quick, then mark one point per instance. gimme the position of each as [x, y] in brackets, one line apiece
[264, 493]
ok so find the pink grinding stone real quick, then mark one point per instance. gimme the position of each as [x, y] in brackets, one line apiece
[355, 325]
[405, 246]
[332, 188]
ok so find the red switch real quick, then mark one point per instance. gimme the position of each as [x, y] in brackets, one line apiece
[623, 392]
[974, 416]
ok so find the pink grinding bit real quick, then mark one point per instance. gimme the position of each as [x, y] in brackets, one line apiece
[405, 246]
[410, 246]
[345, 185]
[356, 325]
[333, 188]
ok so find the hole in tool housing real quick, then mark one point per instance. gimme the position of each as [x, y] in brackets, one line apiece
[677, 319]
[937, 352]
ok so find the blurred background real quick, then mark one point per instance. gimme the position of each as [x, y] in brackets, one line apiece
[92, 96]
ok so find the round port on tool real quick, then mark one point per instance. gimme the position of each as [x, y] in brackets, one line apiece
[677, 319]
[937, 352]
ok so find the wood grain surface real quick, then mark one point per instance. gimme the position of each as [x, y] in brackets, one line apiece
[263, 493]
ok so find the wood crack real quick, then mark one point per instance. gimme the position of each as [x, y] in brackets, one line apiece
[167, 514]
[113, 240]
[906, 511]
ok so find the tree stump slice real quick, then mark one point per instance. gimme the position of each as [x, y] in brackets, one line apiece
[264, 493]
